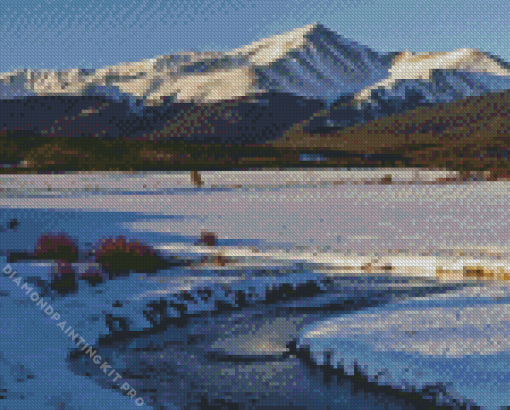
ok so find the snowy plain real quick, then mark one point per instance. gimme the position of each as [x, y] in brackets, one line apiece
[295, 227]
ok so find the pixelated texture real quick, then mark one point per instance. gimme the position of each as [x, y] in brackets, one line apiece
[240, 205]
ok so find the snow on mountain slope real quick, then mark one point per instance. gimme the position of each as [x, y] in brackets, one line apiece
[416, 79]
[311, 61]
[426, 66]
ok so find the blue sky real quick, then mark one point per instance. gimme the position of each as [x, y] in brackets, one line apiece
[56, 34]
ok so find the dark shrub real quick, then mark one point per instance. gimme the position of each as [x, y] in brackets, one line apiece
[56, 246]
[13, 224]
[64, 278]
[92, 275]
[118, 256]
[207, 239]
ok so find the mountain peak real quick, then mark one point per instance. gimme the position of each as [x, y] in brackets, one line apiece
[315, 26]
[276, 47]
[279, 44]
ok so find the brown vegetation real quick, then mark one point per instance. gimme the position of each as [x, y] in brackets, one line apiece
[475, 272]
[208, 239]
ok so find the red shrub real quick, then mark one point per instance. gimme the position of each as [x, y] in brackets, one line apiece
[56, 246]
[208, 239]
[122, 256]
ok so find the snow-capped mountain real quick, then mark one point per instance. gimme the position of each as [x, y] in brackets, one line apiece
[311, 61]
[423, 66]
[417, 79]
[314, 62]
[258, 90]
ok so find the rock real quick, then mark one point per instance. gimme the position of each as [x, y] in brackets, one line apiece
[13, 223]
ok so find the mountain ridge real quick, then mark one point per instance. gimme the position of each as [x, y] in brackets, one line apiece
[289, 62]
[310, 61]
[328, 81]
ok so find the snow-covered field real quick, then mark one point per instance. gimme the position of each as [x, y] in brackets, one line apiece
[34, 348]
[335, 243]
[303, 216]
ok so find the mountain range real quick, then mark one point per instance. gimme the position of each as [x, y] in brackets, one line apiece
[310, 76]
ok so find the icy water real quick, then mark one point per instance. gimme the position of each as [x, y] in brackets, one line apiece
[337, 242]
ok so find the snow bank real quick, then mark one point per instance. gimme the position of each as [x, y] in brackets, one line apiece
[140, 301]
[35, 343]
[216, 294]
[34, 373]
[455, 345]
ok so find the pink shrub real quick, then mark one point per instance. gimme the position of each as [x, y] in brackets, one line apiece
[208, 239]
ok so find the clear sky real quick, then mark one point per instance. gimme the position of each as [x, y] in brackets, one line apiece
[56, 34]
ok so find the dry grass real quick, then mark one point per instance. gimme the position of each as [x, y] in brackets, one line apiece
[475, 272]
